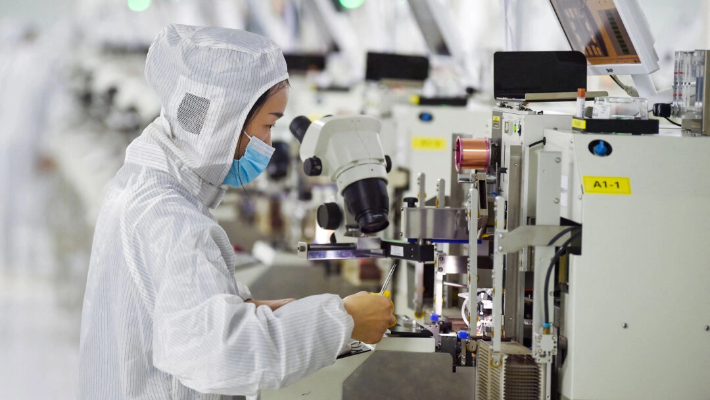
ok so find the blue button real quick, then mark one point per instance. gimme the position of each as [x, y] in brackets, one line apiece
[434, 318]
[600, 149]
[463, 335]
[426, 117]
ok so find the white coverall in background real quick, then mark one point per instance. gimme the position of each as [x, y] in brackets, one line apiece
[29, 80]
[163, 317]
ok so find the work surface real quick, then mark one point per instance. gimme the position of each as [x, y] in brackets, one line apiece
[383, 375]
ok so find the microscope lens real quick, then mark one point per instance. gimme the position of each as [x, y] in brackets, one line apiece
[367, 200]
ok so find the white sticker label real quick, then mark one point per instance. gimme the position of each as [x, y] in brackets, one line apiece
[397, 251]
[601, 111]
[564, 189]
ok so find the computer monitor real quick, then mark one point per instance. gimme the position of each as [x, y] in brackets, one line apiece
[519, 74]
[612, 34]
[398, 67]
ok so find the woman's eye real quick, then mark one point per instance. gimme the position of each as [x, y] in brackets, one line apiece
[271, 126]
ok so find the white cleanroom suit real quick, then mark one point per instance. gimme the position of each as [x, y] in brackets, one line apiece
[163, 317]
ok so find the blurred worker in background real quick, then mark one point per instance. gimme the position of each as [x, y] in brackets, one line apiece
[163, 316]
[28, 82]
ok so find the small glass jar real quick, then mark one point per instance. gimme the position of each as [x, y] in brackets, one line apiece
[620, 108]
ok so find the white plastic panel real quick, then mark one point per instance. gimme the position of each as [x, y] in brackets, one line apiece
[638, 297]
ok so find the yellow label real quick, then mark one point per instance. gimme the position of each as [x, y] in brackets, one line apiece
[428, 143]
[496, 119]
[579, 123]
[607, 185]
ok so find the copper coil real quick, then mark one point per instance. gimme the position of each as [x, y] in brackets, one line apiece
[472, 154]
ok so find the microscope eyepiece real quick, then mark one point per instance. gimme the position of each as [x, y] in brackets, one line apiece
[299, 126]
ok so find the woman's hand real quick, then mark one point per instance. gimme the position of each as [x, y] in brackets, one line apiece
[272, 304]
[371, 313]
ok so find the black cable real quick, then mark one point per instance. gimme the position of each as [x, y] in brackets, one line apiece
[623, 87]
[618, 82]
[552, 242]
[562, 233]
[556, 257]
[672, 122]
[533, 144]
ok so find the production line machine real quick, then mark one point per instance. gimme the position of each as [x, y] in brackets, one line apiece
[611, 202]
[583, 245]
[580, 232]
[570, 249]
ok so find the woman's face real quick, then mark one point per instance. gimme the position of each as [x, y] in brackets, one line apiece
[260, 126]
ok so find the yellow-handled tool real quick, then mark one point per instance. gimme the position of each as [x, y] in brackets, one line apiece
[386, 293]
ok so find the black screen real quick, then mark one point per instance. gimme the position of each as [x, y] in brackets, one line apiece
[520, 72]
[395, 66]
[304, 62]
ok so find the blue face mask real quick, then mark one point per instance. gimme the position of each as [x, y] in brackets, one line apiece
[252, 164]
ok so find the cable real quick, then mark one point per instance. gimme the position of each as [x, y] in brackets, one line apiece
[533, 144]
[556, 257]
[617, 81]
[672, 122]
[562, 233]
[630, 90]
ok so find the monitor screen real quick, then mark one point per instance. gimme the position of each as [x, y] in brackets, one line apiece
[595, 28]
[304, 62]
[518, 73]
[395, 66]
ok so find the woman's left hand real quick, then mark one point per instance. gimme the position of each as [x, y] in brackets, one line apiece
[272, 304]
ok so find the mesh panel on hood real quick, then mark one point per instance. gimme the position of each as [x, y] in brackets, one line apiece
[207, 80]
[192, 113]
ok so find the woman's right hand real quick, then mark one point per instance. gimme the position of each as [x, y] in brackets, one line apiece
[372, 315]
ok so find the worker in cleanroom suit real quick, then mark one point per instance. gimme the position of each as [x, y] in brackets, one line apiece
[28, 80]
[163, 317]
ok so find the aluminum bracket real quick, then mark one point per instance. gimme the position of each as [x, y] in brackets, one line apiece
[530, 235]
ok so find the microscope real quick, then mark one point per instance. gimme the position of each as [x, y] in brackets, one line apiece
[347, 149]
